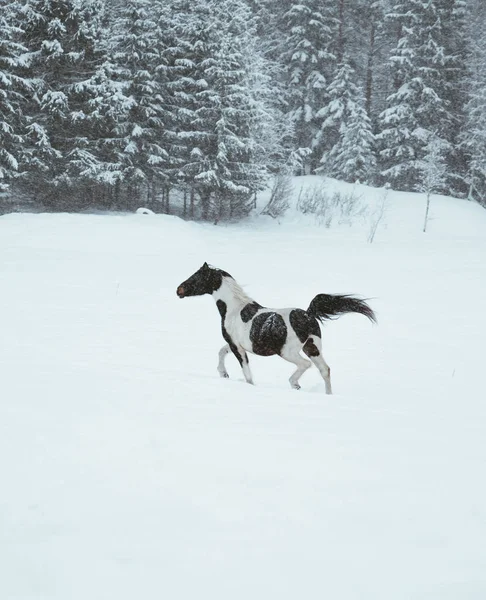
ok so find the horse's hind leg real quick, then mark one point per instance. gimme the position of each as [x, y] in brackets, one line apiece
[222, 355]
[302, 366]
[313, 349]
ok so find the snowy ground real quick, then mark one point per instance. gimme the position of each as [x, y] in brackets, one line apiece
[129, 469]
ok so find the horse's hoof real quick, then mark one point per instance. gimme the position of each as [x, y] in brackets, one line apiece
[295, 386]
[224, 375]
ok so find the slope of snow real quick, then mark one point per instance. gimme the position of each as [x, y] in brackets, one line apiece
[129, 469]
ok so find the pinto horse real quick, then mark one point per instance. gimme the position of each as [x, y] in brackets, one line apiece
[249, 327]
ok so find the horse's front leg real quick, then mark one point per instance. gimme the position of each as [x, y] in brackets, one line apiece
[242, 358]
[222, 355]
[245, 365]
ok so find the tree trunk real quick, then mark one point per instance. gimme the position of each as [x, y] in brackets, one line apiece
[205, 198]
[369, 66]
[116, 196]
[192, 203]
[340, 52]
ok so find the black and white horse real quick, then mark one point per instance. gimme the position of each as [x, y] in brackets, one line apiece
[249, 327]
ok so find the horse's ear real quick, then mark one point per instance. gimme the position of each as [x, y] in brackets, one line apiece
[205, 266]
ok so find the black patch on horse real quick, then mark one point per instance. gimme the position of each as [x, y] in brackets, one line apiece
[268, 334]
[310, 348]
[222, 308]
[303, 324]
[249, 311]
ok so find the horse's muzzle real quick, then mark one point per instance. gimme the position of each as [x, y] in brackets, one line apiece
[181, 291]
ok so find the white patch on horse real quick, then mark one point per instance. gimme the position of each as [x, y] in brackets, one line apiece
[235, 299]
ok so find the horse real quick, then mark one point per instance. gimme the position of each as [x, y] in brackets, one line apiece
[250, 327]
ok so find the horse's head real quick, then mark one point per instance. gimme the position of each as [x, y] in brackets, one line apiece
[204, 281]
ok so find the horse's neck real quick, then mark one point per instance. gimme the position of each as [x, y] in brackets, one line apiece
[232, 294]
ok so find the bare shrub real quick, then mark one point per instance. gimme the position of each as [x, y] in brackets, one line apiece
[280, 196]
[378, 215]
[348, 207]
[342, 208]
[433, 170]
[316, 201]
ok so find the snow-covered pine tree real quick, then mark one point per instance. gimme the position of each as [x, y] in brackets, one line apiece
[181, 71]
[12, 86]
[266, 15]
[99, 164]
[457, 41]
[62, 39]
[217, 113]
[420, 105]
[473, 137]
[346, 130]
[139, 133]
[398, 122]
[374, 50]
[310, 29]
[272, 127]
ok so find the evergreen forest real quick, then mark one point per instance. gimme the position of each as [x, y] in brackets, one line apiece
[190, 106]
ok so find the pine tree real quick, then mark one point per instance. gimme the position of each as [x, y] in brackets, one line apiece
[473, 136]
[346, 130]
[140, 128]
[310, 28]
[99, 164]
[272, 128]
[453, 15]
[420, 106]
[62, 38]
[217, 112]
[375, 50]
[12, 88]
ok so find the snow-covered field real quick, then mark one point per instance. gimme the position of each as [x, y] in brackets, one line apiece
[130, 470]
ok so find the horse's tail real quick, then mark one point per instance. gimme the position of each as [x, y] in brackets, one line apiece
[327, 306]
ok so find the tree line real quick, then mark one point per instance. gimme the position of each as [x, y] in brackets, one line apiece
[109, 104]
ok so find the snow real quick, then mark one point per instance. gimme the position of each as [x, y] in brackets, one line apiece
[131, 470]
